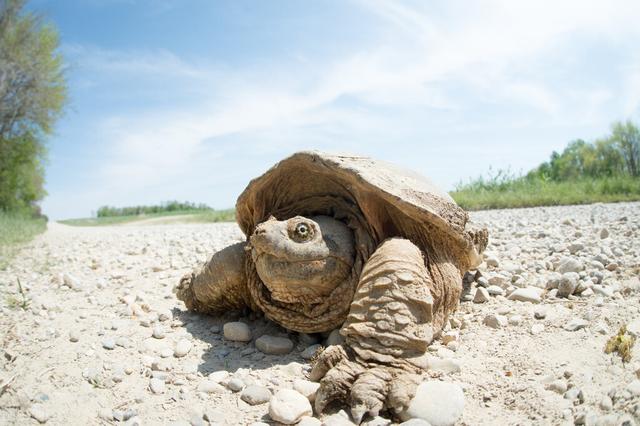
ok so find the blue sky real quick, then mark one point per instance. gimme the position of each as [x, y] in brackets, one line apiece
[190, 99]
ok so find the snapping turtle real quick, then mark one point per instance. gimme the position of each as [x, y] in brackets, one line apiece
[351, 242]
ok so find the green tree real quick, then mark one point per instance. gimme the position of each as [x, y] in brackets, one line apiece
[32, 96]
[626, 138]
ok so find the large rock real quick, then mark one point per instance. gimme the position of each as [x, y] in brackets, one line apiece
[288, 406]
[439, 403]
[274, 345]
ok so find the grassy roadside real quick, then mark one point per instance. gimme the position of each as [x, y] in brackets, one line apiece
[508, 192]
[186, 216]
[16, 230]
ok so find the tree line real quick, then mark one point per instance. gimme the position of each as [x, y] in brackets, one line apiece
[617, 154]
[33, 93]
[168, 206]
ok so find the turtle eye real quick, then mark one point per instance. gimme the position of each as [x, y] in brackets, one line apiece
[302, 232]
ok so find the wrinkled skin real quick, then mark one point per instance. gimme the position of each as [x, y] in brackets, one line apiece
[301, 259]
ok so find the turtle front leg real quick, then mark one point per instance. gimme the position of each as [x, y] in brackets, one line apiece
[400, 305]
[219, 285]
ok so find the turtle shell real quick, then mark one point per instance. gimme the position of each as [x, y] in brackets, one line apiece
[389, 201]
[377, 200]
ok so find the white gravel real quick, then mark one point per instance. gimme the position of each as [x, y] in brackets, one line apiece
[87, 350]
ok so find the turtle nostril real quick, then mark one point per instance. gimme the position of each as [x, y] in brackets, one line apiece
[260, 231]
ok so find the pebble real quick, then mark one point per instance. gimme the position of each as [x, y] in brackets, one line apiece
[38, 412]
[569, 264]
[444, 410]
[482, 295]
[526, 294]
[447, 365]
[310, 351]
[335, 338]
[575, 324]
[74, 336]
[273, 345]
[633, 327]
[288, 406]
[306, 388]
[568, 284]
[157, 386]
[158, 332]
[208, 386]
[182, 348]
[634, 387]
[218, 376]
[495, 290]
[515, 319]
[255, 395]
[536, 329]
[309, 421]
[495, 321]
[108, 343]
[237, 332]
[235, 384]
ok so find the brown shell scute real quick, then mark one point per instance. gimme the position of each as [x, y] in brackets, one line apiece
[391, 201]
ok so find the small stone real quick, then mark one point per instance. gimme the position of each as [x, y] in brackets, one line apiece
[536, 329]
[526, 294]
[182, 348]
[208, 386]
[569, 264]
[568, 284]
[559, 386]
[108, 343]
[38, 412]
[540, 313]
[274, 345]
[74, 336]
[235, 384]
[309, 421]
[218, 376]
[604, 233]
[157, 386]
[574, 394]
[444, 410]
[492, 261]
[633, 328]
[482, 295]
[634, 387]
[310, 351]
[606, 404]
[288, 406]
[237, 332]
[495, 321]
[447, 365]
[255, 395]
[575, 324]
[415, 422]
[515, 319]
[495, 290]
[306, 388]
[158, 332]
[335, 338]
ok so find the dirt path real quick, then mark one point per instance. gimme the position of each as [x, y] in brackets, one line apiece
[83, 351]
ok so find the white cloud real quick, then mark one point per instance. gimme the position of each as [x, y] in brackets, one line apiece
[449, 56]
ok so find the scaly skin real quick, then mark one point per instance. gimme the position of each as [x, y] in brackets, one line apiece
[400, 304]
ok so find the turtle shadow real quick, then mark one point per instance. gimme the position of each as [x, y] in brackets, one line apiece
[231, 356]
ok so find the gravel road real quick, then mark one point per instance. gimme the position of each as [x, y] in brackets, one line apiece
[101, 339]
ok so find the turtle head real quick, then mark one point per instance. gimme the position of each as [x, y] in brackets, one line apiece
[301, 260]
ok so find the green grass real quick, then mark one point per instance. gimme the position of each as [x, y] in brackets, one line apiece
[16, 230]
[186, 216]
[506, 191]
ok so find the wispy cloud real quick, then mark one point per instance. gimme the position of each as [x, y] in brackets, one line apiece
[433, 69]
